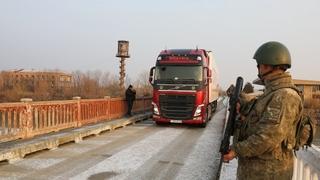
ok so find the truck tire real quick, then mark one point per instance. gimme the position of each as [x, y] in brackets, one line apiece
[204, 124]
[210, 112]
[160, 123]
[214, 106]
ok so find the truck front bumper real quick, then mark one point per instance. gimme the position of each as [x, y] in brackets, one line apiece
[195, 120]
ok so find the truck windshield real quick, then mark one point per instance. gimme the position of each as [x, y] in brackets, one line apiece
[178, 73]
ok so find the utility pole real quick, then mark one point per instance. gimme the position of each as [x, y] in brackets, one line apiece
[123, 53]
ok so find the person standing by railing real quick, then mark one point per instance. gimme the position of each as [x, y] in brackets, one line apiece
[130, 97]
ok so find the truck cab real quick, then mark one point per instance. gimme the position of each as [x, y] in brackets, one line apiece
[184, 86]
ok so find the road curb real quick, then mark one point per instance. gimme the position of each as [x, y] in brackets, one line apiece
[16, 150]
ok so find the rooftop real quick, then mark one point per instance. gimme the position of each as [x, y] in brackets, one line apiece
[305, 82]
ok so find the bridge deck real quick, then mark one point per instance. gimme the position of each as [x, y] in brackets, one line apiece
[140, 151]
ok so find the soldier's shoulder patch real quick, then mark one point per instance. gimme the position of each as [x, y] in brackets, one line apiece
[273, 109]
[272, 115]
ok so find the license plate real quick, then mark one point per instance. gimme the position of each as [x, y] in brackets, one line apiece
[175, 121]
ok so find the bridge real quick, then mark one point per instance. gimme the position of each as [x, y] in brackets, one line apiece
[91, 139]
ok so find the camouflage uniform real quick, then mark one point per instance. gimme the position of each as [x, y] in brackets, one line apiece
[264, 143]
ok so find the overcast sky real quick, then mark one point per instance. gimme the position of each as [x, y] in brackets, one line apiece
[82, 34]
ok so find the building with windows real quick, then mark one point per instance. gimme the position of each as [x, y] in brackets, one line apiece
[311, 92]
[30, 78]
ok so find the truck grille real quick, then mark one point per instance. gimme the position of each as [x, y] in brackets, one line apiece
[177, 106]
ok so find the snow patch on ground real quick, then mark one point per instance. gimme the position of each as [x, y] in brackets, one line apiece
[205, 156]
[229, 170]
[39, 163]
[131, 158]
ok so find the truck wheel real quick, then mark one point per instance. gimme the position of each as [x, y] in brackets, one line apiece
[214, 106]
[160, 123]
[203, 125]
[209, 113]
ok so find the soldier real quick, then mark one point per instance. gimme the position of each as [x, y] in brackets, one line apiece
[264, 144]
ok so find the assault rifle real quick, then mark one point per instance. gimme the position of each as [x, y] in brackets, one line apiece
[232, 118]
[231, 123]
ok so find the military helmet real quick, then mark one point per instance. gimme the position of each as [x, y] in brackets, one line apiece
[273, 53]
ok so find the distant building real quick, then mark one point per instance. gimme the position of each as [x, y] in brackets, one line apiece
[31, 78]
[311, 92]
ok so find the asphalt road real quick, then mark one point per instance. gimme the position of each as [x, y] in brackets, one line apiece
[140, 151]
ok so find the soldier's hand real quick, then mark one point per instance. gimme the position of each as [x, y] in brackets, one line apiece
[229, 156]
[238, 106]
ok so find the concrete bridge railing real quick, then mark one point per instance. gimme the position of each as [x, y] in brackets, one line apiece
[307, 164]
[27, 119]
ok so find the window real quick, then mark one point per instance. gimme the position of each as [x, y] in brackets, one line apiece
[316, 88]
[179, 72]
[316, 96]
[301, 88]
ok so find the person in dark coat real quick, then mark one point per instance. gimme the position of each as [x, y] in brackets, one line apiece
[130, 97]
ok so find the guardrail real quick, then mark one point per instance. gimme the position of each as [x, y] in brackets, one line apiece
[27, 119]
[306, 164]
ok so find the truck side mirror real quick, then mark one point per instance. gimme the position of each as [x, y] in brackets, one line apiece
[151, 75]
[209, 73]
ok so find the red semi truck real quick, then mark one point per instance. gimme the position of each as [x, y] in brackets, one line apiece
[185, 86]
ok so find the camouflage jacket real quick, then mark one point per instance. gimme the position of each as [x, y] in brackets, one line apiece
[263, 146]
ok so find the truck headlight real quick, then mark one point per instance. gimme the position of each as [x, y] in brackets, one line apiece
[155, 108]
[197, 112]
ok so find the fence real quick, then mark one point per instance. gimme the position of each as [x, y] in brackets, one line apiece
[306, 164]
[27, 119]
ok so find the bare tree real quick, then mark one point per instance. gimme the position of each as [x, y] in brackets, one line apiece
[113, 88]
[76, 87]
[42, 91]
[92, 84]
[1, 81]
[142, 84]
